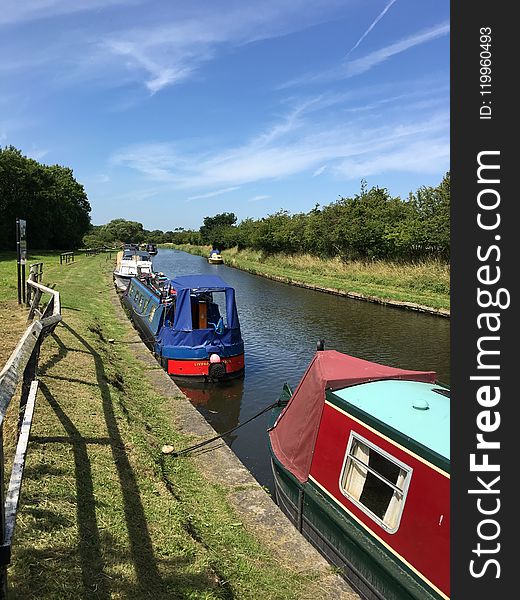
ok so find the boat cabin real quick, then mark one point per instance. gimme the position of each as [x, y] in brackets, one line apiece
[194, 322]
[360, 456]
[129, 264]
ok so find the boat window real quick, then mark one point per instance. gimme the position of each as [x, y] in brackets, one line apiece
[217, 309]
[208, 311]
[375, 481]
[169, 315]
[152, 313]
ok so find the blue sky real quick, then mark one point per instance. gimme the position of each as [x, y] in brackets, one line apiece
[171, 111]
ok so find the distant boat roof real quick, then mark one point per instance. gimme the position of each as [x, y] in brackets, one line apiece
[196, 282]
[392, 402]
[141, 254]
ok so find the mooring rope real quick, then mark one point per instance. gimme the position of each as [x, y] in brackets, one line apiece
[186, 451]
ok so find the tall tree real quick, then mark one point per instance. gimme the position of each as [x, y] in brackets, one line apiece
[49, 198]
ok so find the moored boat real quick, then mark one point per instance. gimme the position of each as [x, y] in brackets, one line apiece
[215, 258]
[191, 323]
[129, 264]
[360, 457]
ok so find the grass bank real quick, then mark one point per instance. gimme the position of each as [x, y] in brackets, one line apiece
[421, 285]
[103, 513]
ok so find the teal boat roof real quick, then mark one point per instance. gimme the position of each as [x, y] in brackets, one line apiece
[393, 402]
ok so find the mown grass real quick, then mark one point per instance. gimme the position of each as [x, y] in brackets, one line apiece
[103, 513]
[425, 283]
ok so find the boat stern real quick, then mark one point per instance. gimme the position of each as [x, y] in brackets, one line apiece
[213, 368]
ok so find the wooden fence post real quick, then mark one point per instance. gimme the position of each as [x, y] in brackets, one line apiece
[21, 368]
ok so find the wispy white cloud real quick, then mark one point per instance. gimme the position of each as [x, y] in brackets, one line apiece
[372, 25]
[369, 61]
[313, 145]
[215, 193]
[259, 197]
[421, 156]
[319, 171]
[175, 49]
[355, 67]
[152, 43]
[15, 11]
[37, 153]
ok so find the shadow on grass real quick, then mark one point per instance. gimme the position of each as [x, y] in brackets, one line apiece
[89, 546]
[141, 548]
[84, 567]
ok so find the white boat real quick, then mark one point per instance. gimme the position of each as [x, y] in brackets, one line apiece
[215, 258]
[131, 263]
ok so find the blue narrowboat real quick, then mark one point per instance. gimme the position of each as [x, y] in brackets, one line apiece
[191, 323]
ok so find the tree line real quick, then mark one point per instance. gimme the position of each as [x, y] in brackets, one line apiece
[370, 225]
[54, 205]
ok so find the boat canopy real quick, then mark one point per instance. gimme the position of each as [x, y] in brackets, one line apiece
[294, 434]
[186, 285]
[183, 333]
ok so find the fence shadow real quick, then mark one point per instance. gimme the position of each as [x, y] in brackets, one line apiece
[83, 564]
[142, 554]
[89, 544]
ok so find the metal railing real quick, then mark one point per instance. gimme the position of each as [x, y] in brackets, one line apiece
[21, 368]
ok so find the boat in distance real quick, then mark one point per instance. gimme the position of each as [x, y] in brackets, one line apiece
[191, 324]
[360, 458]
[149, 247]
[215, 258]
[130, 263]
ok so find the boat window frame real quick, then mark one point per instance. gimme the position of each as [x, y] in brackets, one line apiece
[152, 313]
[355, 436]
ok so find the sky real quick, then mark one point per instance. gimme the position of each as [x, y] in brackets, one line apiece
[170, 111]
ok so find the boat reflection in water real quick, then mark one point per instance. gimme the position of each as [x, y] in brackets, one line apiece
[219, 405]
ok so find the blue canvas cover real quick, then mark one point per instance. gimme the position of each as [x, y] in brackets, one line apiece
[184, 285]
[181, 340]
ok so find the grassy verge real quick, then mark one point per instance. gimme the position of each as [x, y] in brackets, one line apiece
[426, 284]
[103, 514]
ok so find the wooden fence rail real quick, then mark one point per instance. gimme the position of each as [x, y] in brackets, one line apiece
[93, 251]
[66, 257]
[21, 369]
[36, 275]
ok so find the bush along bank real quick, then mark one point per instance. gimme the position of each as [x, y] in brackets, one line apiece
[422, 286]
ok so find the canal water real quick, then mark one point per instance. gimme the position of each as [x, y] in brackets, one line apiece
[280, 327]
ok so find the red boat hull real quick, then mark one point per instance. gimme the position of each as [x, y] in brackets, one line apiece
[200, 368]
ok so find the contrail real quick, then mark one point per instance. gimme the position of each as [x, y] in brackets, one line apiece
[375, 22]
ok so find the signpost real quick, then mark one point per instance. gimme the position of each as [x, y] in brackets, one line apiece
[21, 255]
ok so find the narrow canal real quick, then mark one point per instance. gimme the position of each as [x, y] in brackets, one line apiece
[280, 327]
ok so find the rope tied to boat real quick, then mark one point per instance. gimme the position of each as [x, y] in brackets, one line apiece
[167, 449]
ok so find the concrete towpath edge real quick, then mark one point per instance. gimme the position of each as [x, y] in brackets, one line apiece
[259, 513]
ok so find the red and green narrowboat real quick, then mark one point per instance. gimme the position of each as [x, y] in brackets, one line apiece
[360, 457]
[191, 323]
